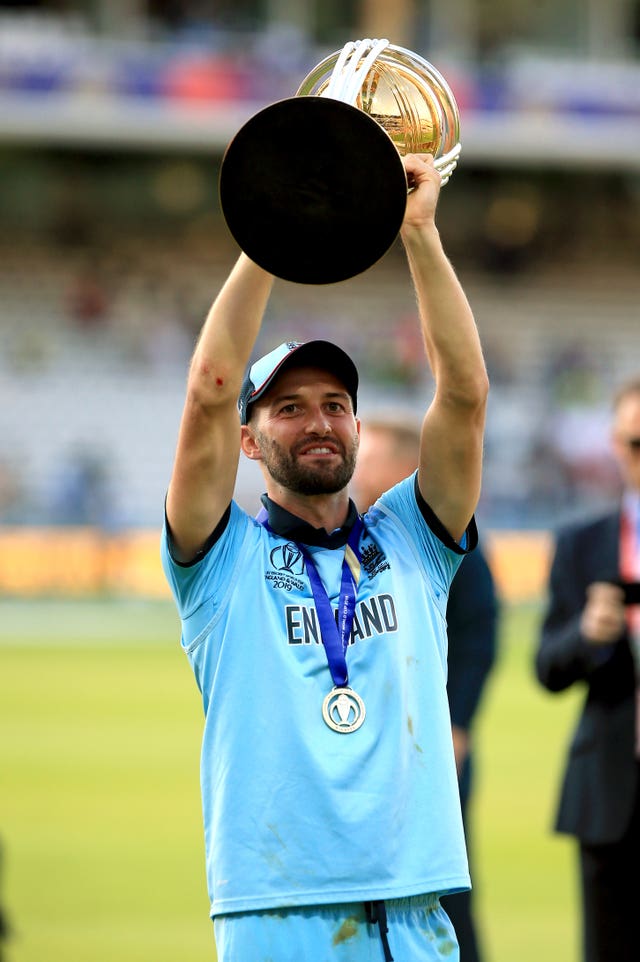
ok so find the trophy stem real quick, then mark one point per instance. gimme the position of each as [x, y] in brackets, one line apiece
[351, 69]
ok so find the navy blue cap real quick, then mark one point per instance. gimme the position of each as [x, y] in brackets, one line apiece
[322, 354]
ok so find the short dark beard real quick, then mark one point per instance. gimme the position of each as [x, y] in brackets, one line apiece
[317, 479]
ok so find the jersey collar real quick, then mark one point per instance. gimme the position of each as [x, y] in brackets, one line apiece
[288, 525]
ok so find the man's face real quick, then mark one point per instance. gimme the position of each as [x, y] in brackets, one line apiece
[304, 432]
[376, 470]
[381, 464]
[626, 429]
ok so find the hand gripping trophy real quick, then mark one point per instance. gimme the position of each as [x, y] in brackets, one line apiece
[313, 188]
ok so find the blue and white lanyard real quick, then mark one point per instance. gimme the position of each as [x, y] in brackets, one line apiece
[335, 631]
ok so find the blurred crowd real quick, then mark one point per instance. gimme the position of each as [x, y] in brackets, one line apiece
[93, 356]
[110, 257]
[213, 56]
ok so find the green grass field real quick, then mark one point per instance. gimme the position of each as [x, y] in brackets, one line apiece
[100, 726]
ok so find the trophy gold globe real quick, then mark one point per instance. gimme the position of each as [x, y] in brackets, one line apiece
[313, 188]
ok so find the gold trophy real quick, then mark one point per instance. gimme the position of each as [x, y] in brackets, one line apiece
[313, 187]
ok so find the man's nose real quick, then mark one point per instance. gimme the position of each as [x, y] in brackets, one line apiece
[318, 422]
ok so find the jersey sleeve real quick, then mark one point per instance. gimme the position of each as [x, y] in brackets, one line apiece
[436, 550]
[199, 588]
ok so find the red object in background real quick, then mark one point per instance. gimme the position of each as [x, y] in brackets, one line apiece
[464, 88]
[202, 78]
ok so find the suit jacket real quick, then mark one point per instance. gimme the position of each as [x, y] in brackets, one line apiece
[599, 788]
[472, 615]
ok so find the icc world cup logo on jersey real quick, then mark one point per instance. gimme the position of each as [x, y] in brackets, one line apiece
[288, 557]
[287, 563]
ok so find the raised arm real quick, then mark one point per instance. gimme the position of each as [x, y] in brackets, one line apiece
[450, 466]
[208, 448]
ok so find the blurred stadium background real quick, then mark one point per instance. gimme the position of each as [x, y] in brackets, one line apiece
[114, 115]
[113, 118]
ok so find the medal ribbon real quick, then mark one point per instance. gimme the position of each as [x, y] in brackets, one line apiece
[334, 633]
[335, 636]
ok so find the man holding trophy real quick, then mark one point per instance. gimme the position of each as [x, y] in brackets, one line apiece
[317, 636]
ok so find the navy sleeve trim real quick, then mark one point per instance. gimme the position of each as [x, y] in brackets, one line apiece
[439, 529]
[215, 535]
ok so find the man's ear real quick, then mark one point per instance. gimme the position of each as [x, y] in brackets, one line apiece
[249, 444]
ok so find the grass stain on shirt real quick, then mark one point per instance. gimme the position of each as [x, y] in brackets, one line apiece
[348, 930]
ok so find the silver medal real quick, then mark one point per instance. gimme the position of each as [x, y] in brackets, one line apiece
[343, 710]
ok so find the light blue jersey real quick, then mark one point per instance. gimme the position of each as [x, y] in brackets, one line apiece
[294, 812]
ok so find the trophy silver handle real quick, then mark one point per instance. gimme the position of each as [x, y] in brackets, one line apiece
[351, 69]
[448, 163]
[425, 118]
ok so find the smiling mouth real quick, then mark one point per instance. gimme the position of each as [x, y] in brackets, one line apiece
[319, 450]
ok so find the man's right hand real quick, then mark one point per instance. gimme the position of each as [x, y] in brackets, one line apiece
[603, 617]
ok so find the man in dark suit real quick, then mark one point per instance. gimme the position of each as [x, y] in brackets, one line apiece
[591, 636]
[388, 453]
[472, 614]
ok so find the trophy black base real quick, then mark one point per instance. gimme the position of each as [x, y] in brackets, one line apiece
[313, 190]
